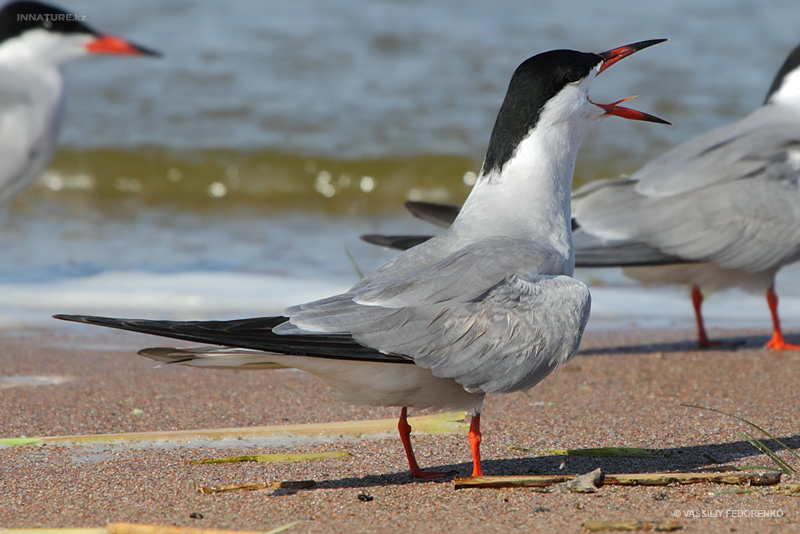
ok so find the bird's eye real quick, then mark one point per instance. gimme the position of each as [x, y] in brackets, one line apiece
[573, 76]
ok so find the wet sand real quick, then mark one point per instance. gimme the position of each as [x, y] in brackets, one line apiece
[624, 389]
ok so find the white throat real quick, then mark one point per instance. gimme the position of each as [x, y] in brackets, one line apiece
[788, 94]
[530, 196]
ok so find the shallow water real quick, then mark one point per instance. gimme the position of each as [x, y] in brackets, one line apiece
[231, 175]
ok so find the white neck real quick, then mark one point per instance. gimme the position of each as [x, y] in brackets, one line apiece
[788, 94]
[35, 76]
[530, 196]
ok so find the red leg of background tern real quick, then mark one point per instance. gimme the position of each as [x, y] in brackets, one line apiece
[777, 342]
[702, 338]
[405, 436]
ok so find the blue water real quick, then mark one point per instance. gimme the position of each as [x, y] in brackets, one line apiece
[353, 77]
[350, 83]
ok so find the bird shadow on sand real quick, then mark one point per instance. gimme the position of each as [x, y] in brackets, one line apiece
[700, 458]
[723, 344]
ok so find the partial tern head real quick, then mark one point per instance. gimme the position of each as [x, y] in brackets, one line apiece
[553, 88]
[785, 89]
[33, 31]
[36, 41]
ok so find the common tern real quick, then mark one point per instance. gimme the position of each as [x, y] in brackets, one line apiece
[725, 204]
[488, 306]
[721, 210]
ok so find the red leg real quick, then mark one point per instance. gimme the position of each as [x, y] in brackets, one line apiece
[475, 445]
[405, 437]
[702, 338]
[777, 342]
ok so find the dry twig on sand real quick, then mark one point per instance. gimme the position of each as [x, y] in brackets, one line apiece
[635, 479]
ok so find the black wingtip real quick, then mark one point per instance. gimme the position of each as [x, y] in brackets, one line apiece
[73, 318]
[399, 242]
[376, 239]
[92, 319]
[439, 214]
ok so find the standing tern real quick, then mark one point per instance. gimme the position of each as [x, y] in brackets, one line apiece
[721, 210]
[489, 306]
[36, 40]
[727, 203]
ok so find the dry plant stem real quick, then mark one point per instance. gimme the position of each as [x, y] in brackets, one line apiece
[286, 484]
[622, 452]
[616, 526]
[275, 458]
[644, 479]
[76, 530]
[443, 423]
[134, 528]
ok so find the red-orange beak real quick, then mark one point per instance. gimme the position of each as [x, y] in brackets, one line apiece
[108, 44]
[611, 57]
[614, 55]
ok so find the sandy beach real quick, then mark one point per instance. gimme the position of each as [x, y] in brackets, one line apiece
[235, 174]
[624, 389]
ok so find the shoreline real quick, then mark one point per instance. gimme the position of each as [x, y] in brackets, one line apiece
[623, 389]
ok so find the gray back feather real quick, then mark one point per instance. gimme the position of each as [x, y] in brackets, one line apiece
[730, 197]
[731, 152]
[482, 315]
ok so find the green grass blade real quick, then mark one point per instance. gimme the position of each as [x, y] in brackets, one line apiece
[13, 442]
[763, 431]
[353, 261]
[282, 527]
[752, 440]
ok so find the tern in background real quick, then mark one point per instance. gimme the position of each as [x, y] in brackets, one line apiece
[488, 306]
[719, 211]
[36, 40]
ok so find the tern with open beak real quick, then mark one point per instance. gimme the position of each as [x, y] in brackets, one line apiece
[488, 306]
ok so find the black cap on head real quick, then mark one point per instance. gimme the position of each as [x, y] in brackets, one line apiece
[536, 80]
[18, 17]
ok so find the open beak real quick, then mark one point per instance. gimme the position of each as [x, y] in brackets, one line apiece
[108, 44]
[611, 57]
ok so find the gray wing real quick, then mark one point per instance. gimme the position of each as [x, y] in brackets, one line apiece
[609, 209]
[592, 251]
[483, 315]
[732, 152]
[749, 225]
[25, 148]
[743, 214]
